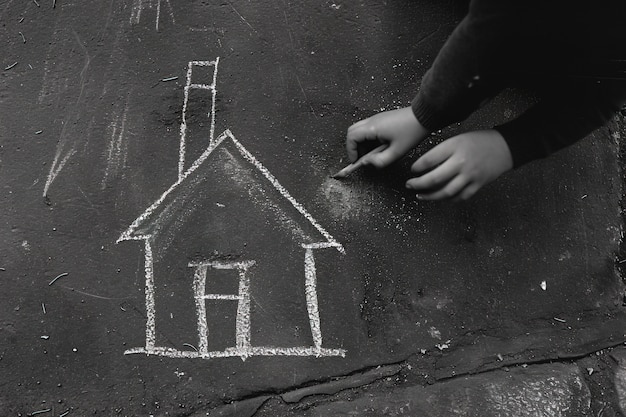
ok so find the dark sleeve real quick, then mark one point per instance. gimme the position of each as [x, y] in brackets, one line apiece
[464, 73]
[562, 118]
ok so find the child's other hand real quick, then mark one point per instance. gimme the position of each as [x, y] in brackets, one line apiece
[461, 165]
[397, 128]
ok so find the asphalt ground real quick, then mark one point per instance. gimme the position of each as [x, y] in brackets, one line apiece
[171, 253]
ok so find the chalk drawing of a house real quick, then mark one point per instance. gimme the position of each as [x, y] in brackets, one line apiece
[229, 256]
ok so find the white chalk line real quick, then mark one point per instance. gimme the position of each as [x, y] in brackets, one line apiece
[242, 326]
[183, 126]
[199, 288]
[243, 349]
[128, 233]
[320, 245]
[158, 17]
[135, 14]
[57, 166]
[221, 297]
[283, 191]
[235, 170]
[224, 265]
[150, 307]
[204, 63]
[150, 298]
[242, 322]
[310, 289]
[201, 86]
[331, 242]
[243, 354]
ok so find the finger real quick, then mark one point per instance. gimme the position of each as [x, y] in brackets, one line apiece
[357, 133]
[468, 192]
[396, 150]
[434, 157]
[384, 158]
[450, 191]
[435, 179]
[358, 124]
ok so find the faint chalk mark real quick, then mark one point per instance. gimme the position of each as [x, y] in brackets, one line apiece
[140, 5]
[100, 297]
[243, 19]
[62, 155]
[289, 30]
[427, 36]
[116, 148]
[305, 96]
[85, 196]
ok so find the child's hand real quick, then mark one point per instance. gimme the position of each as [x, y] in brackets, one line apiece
[461, 166]
[397, 128]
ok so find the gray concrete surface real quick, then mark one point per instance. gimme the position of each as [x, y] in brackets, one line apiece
[539, 390]
[591, 386]
[111, 227]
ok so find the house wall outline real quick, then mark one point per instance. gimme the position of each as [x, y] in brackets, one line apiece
[243, 348]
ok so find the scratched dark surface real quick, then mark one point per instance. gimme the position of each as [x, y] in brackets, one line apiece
[89, 137]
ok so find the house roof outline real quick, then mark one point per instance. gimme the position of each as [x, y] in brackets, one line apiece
[132, 232]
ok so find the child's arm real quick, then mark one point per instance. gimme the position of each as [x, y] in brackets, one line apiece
[568, 114]
[475, 63]
[459, 80]
[465, 163]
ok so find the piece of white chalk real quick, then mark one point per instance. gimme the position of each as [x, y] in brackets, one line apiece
[359, 163]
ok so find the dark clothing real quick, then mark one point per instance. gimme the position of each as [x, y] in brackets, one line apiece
[572, 53]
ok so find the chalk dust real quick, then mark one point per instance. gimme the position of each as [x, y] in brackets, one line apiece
[347, 201]
[356, 201]
[434, 333]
